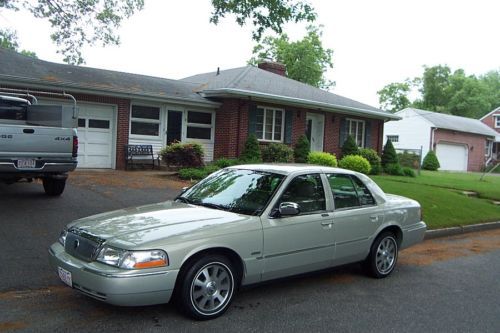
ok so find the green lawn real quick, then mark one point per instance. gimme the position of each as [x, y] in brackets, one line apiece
[444, 206]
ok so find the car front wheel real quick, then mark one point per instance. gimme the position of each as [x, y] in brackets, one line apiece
[207, 287]
[383, 255]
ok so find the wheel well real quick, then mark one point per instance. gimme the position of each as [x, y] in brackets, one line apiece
[396, 231]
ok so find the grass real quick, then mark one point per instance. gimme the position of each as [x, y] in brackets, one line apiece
[442, 203]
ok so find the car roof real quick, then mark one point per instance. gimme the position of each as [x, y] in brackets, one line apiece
[290, 168]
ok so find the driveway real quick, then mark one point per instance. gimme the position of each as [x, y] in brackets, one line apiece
[442, 285]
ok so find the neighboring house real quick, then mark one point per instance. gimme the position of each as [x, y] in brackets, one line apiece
[219, 109]
[461, 144]
[492, 120]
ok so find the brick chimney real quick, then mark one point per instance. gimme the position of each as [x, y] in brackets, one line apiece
[273, 67]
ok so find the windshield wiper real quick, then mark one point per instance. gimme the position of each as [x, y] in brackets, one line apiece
[212, 205]
[183, 199]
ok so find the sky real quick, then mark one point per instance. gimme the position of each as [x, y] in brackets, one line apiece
[374, 42]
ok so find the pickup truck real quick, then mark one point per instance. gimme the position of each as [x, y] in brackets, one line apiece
[34, 145]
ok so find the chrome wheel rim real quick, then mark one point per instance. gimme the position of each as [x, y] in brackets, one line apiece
[386, 255]
[212, 288]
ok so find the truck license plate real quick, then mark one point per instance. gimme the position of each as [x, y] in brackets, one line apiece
[65, 276]
[27, 163]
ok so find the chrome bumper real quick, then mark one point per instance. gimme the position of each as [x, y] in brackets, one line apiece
[112, 285]
[56, 167]
[413, 234]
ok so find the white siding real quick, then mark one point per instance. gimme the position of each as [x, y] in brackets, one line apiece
[413, 131]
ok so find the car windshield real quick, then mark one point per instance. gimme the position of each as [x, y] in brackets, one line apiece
[237, 190]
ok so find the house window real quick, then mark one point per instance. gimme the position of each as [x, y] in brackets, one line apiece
[145, 120]
[270, 124]
[199, 125]
[393, 138]
[487, 148]
[356, 129]
[497, 121]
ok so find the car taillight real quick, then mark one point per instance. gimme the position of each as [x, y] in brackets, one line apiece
[75, 146]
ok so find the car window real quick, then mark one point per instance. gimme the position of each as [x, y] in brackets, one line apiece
[307, 191]
[364, 195]
[343, 190]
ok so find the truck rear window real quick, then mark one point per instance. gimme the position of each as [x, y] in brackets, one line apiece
[12, 110]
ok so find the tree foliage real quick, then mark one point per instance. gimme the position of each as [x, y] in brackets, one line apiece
[301, 150]
[264, 14]
[431, 161]
[306, 60]
[8, 40]
[251, 152]
[389, 155]
[442, 90]
[349, 147]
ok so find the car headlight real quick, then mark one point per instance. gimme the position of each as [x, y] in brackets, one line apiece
[62, 237]
[132, 259]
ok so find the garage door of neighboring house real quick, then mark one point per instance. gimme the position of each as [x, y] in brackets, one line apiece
[95, 136]
[452, 156]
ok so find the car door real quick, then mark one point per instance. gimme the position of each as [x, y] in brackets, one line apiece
[302, 242]
[356, 217]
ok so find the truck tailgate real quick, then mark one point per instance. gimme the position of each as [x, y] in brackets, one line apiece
[37, 142]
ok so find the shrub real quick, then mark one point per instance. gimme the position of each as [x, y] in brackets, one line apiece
[302, 150]
[182, 154]
[389, 154]
[394, 169]
[355, 163]
[251, 152]
[225, 162]
[409, 172]
[431, 161]
[373, 158]
[410, 160]
[350, 147]
[197, 173]
[321, 158]
[277, 152]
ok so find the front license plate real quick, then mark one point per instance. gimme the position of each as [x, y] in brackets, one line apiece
[27, 163]
[65, 276]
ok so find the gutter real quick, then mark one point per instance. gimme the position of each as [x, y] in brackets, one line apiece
[297, 101]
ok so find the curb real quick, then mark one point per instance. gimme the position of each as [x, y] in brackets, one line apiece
[445, 232]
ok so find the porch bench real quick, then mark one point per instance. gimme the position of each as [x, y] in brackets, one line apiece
[139, 150]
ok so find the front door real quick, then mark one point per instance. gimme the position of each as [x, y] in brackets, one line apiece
[174, 126]
[315, 130]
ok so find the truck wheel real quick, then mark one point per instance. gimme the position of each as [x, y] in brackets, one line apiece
[53, 187]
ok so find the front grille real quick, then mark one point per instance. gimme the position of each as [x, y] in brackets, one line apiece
[82, 245]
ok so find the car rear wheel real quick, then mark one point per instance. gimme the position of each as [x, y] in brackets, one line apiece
[53, 187]
[207, 287]
[383, 256]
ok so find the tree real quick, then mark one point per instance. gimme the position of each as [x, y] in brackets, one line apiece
[389, 155]
[251, 152]
[8, 40]
[264, 14]
[349, 147]
[306, 60]
[394, 96]
[431, 161]
[302, 149]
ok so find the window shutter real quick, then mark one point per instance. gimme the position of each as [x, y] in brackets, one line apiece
[288, 126]
[343, 131]
[368, 134]
[252, 118]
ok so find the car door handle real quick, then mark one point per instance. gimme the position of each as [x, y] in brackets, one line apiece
[374, 218]
[325, 215]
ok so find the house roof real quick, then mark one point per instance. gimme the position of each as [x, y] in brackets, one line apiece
[262, 85]
[490, 113]
[17, 68]
[454, 123]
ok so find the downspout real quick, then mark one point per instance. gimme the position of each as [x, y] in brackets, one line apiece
[240, 103]
[433, 129]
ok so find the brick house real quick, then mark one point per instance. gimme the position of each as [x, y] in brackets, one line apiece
[218, 110]
[492, 120]
[460, 143]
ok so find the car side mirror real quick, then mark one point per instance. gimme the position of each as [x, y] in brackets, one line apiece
[289, 208]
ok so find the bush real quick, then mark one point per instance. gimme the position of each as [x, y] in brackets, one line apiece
[409, 172]
[182, 154]
[373, 158]
[350, 147]
[277, 152]
[321, 158]
[355, 163]
[389, 154]
[251, 152]
[197, 173]
[394, 169]
[431, 161]
[225, 162]
[302, 150]
[410, 160]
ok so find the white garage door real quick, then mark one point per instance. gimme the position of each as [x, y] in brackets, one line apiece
[95, 136]
[452, 156]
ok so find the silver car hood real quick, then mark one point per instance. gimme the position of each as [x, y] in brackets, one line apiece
[150, 223]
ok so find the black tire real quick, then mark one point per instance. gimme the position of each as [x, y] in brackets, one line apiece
[53, 187]
[383, 256]
[207, 287]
